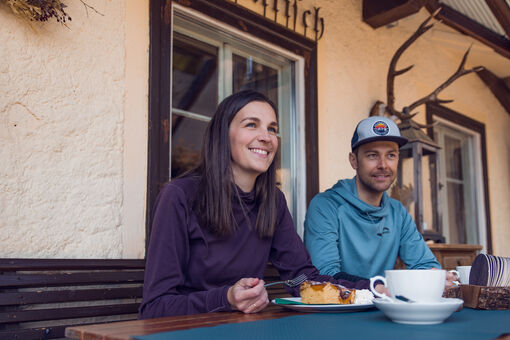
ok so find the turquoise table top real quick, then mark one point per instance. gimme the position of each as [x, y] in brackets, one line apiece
[466, 324]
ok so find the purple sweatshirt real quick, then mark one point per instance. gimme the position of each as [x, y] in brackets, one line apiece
[189, 270]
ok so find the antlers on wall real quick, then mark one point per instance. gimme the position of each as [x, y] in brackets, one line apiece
[406, 114]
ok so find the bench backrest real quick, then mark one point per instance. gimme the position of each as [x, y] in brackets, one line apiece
[271, 275]
[40, 297]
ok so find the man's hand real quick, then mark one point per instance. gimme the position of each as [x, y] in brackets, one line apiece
[450, 277]
[248, 295]
[380, 288]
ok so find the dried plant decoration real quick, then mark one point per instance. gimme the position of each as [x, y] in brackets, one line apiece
[43, 10]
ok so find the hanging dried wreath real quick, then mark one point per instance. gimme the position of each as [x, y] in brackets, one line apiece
[42, 10]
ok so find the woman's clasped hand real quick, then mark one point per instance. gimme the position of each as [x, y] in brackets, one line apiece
[248, 295]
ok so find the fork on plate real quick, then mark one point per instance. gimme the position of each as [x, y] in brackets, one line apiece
[291, 283]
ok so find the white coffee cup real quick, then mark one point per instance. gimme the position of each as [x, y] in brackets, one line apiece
[462, 273]
[420, 285]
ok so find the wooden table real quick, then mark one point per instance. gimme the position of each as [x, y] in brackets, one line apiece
[277, 323]
[124, 330]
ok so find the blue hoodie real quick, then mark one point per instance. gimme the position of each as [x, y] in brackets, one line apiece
[345, 234]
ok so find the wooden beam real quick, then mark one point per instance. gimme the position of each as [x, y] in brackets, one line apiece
[379, 13]
[465, 25]
[501, 11]
[158, 164]
[497, 86]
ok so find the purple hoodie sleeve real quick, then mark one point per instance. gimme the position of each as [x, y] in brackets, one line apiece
[290, 257]
[166, 264]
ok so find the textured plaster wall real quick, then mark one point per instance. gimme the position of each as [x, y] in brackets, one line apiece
[135, 128]
[62, 118]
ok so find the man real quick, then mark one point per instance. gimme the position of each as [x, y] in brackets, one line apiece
[355, 228]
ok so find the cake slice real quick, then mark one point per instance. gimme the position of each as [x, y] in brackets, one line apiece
[313, 292]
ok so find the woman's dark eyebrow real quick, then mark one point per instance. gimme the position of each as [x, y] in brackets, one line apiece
[251, 118]
[273, 123]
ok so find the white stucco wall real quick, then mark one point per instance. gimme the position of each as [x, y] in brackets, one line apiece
[62, 131]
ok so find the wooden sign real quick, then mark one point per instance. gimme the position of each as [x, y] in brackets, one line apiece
[292, 16]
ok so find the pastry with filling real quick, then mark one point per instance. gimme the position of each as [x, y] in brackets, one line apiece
[315, 293]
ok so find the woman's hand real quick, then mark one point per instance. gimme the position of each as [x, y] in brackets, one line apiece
[248, 295]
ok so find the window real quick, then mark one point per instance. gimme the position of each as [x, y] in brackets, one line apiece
[461, 172]
[209, 61]
[459, 194]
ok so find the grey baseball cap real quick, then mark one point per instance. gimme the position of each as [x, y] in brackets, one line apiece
[376, 128]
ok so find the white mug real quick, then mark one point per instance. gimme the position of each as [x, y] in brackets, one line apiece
[462, 273]
[420, 285]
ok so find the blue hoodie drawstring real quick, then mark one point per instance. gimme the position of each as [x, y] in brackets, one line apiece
[380, 230]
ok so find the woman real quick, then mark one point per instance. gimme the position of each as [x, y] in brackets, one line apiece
[215, 229]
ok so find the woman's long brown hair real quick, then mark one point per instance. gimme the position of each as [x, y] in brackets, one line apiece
[217, 190]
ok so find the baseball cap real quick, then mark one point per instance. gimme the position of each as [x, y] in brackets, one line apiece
[376, 128]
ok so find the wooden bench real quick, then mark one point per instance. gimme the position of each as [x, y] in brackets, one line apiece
[39, 298]
[271, 275]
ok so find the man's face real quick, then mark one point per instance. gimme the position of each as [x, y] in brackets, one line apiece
[376, 165]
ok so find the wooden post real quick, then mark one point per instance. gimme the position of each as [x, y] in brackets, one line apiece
[418, 185]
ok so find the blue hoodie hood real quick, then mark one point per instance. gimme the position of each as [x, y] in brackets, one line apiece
[348, 195]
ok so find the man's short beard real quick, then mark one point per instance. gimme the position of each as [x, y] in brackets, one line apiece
[371, 188]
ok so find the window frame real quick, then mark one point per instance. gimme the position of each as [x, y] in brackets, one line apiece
[448, 115]
[160, 85]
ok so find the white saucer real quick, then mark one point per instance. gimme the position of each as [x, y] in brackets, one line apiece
[418, 313]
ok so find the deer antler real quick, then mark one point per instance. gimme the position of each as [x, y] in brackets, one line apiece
[392, 72]
[406, 114]
[432, 97]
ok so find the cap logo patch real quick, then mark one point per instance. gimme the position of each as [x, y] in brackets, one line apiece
[381, 128]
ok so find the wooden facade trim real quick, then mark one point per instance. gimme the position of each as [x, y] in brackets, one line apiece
[159, 103]
[160, 86]
[497, 86]
[471, 124]
[379, 13]
[502, 13]
[463, 24]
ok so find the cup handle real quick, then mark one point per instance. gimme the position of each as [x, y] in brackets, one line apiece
[372, 288]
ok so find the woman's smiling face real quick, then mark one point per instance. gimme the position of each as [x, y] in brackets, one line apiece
[253, 142]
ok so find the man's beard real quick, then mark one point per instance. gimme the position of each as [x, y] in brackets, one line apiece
[371, 187]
